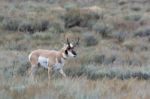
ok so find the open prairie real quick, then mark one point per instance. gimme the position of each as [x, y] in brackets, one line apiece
[113, 60]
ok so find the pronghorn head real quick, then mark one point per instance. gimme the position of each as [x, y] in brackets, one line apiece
[69, 48]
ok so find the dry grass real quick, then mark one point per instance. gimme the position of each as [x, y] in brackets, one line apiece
[76, 88]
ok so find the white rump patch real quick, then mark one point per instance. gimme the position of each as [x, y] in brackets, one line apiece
[29, 56]
[43, 61]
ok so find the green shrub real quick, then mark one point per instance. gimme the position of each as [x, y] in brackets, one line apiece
[90, 40]
[33, 26]
[1, 18]
[142, 32]
[41, 25]
[79, 17]
[26, 26]
[57, 26]
[23, 69]
[122, 2]
[110, 60]
[69, 6]
[42, 36]
[96, 72]
[119, 35]
[99, 59]
[102, 28]
[147, 9]
[103, 59]
[133, 17]
[11, 24]
[136, 8]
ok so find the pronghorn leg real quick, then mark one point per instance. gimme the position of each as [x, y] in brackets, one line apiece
[62, 73]
[33, 71]
[49, 73]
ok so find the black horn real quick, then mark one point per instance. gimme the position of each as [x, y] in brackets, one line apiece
[68, 42]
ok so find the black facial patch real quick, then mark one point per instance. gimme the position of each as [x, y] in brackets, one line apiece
[69, 48]
[66, 52]
[74, 53]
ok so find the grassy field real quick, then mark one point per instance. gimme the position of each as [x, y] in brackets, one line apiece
[113, 59]
[76, 88]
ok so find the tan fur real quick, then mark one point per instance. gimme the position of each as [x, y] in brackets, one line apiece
[52, 55]
[52, 59]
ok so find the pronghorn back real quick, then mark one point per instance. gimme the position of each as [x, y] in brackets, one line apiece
[36, 54]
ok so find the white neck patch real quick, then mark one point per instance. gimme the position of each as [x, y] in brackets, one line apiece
[70, 54]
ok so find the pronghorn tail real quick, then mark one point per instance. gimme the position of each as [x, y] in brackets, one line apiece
[29, 56]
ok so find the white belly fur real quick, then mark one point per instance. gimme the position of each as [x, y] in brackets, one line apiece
[43, 61]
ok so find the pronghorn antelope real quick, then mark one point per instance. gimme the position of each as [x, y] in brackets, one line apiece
[52, 59]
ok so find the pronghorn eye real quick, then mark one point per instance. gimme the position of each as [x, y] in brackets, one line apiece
[69, 48]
